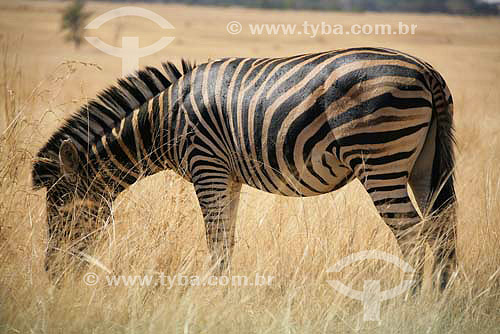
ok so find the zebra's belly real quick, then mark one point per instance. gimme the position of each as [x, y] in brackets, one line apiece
[320, 174]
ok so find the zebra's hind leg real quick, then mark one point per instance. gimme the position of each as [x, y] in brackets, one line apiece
[218, 197]
[441, 234]
[440, 230]
[390, 195]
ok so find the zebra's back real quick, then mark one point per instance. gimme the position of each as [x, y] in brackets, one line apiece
[303, 125]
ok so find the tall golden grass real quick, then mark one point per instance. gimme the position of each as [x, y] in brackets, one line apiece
[157, 226]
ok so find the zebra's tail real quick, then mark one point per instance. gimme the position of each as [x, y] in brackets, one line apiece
[443, 231]
[443, 170]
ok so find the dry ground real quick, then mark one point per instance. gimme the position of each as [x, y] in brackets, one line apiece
[157, 226]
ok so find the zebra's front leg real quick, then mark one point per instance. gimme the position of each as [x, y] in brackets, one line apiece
[71, 231]
[218, 196]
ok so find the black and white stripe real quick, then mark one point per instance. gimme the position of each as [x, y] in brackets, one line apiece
[296, 126]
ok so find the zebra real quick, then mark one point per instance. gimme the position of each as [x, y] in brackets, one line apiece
[297, 126]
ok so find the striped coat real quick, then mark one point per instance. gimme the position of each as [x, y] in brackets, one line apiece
[295, 126]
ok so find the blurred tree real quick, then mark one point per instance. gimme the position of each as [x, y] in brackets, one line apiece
[73, 21]
[460, 6]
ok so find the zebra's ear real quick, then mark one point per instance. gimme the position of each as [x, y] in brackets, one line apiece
[68, 159]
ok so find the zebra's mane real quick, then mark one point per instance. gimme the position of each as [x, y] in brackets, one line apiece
[102, 114]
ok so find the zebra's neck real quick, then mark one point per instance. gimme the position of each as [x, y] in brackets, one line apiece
[149, 140]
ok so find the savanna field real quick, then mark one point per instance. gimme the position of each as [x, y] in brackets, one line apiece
[157, 226]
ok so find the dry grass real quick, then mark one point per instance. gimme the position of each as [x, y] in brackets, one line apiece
[157, 226]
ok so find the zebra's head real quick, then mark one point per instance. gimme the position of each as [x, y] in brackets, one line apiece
[75, 207]
[73, 186]
[61, 169]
